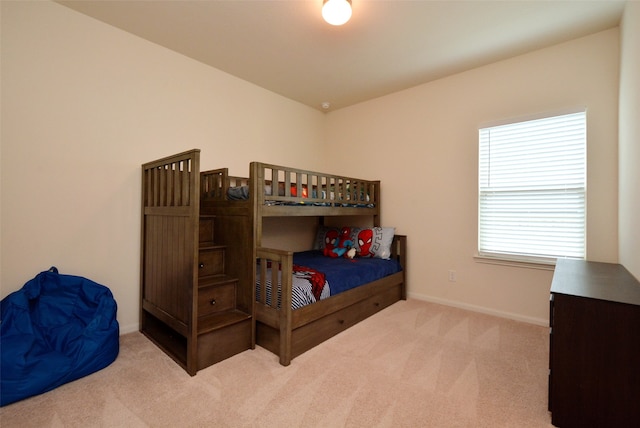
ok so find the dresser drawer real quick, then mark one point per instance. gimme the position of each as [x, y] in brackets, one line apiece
[211, 262]
[216, 298]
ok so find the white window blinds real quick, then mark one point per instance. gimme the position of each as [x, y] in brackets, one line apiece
[532, 188]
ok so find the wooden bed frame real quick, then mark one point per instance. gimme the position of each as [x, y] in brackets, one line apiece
[288, 333]
[199, 251]
[238, 225]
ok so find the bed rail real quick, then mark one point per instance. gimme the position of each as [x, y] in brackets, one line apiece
[215, 183]
[292, 186]
[169, 182]
[304, 186]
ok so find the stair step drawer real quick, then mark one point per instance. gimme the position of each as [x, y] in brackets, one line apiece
[211, 262]
[216, 298]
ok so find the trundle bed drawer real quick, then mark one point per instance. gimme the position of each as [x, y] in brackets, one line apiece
[316, 332]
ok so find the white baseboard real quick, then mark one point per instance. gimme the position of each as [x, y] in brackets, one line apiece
[517, 317]
[130, 328]
[480, 309]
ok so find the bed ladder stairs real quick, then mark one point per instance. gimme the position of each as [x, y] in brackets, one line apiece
[222, 329]
[190, 306]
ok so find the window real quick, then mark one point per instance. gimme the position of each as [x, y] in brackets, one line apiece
[532, 189]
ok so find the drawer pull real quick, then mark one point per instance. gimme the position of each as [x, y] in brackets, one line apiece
[201, 265]
[376, 304]
[213, 302]
[340, 321]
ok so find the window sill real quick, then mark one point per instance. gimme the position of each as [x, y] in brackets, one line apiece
[542, 264]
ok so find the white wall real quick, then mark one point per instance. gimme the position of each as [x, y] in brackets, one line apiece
[422, 143]
[83, 106]
[630, 140]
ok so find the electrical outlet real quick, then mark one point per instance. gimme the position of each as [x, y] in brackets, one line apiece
[452, 276]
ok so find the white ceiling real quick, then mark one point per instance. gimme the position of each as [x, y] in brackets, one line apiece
[388, 45]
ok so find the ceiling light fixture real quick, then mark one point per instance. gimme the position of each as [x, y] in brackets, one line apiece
[336, 12]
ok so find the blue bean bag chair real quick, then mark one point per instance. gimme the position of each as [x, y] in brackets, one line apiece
[55, 329]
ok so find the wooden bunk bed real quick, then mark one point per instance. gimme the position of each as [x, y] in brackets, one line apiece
[277, 191]
[199, 300]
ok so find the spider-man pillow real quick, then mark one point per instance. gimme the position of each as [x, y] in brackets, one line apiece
[368, 242]
[373, 242]
[324, 236]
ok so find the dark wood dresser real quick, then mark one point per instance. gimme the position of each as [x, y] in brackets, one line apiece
[594, 356]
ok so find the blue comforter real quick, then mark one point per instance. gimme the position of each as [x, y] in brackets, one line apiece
[344, 274]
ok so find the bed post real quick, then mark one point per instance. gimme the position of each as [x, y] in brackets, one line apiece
[285, 312]
[376, 199]
[256, 225]
[399, 252]
[256, 176]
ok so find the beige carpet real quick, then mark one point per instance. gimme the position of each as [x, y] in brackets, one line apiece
[415, 364]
